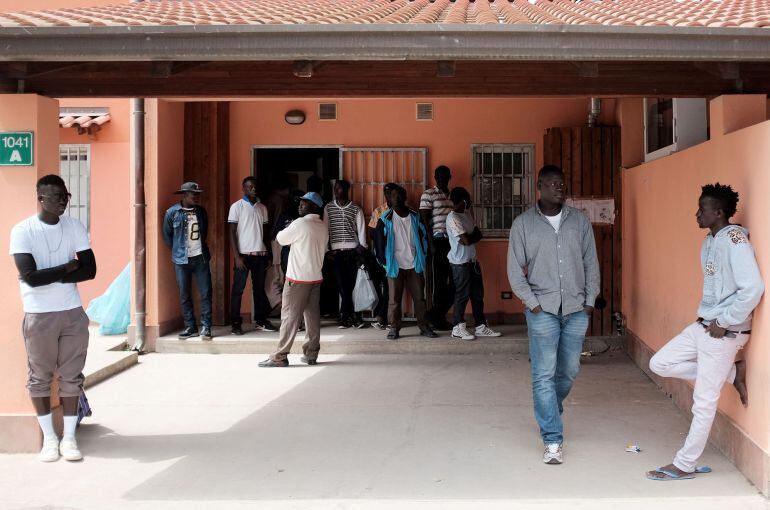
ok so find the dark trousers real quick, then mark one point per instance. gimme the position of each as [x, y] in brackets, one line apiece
[468, 285]
[345, 270]
[443, 284]
[257, 266]
[381, 284]
[415, 283]
[199, 268]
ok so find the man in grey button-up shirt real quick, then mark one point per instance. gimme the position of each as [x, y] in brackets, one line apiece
[553, 269]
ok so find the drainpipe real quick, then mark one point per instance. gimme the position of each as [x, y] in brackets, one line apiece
[595, 110]
[140, 235]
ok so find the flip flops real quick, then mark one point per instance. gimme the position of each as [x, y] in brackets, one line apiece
[670, 475]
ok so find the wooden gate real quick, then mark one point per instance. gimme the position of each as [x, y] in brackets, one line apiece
[590, 158]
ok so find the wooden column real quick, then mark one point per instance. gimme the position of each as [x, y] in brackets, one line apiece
[207, 162]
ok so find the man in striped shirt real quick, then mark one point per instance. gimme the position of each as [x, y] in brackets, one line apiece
[347, 237]
[434, 208]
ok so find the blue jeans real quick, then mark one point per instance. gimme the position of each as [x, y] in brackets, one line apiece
[199, 268]
[555, 344]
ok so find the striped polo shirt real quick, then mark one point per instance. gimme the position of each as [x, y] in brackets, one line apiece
[434, 200]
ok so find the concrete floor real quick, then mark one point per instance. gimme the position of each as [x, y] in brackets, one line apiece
[363, 432]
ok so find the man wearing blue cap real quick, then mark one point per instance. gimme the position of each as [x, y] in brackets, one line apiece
[308, 238]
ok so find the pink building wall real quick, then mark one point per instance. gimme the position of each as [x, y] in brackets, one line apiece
[661, 243]
[109, 193]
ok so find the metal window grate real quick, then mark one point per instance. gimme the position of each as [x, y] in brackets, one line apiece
[327, 111]
[424, 111]
[75, 169]
[502, 185]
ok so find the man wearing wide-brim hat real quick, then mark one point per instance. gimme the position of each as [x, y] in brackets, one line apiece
[185, 227]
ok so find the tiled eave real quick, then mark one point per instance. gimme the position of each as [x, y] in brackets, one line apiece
[384, 42]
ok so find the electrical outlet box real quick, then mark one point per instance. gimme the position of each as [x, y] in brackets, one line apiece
[506, 294]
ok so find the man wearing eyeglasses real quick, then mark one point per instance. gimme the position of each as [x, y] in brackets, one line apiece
[52, 254]
[554, 270]
[185, 227]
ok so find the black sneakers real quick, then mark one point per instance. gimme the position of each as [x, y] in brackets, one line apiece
[267, 326]
[236, 329]
[206, 333]
[392, 334]
[188, 332]
[427, 332]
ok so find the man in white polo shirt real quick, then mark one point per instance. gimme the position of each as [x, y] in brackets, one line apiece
[249, 242]
[308, 239]
[52, 254]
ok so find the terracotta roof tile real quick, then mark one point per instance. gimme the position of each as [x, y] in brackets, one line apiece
[675, 13]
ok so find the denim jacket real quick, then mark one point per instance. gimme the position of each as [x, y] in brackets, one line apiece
[175, 232]
[386, 252]
[732, 284]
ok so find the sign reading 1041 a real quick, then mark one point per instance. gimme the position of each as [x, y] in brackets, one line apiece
[16, 149]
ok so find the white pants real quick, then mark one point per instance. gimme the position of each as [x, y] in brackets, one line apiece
[710, 362]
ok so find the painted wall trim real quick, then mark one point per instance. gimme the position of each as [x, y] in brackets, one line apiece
[726, 436]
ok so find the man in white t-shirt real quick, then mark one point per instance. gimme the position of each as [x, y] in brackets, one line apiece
[401, 247]
[301, 297]
[250, 243]
[52, 254]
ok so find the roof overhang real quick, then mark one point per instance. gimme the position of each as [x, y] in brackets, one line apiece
[384, 42]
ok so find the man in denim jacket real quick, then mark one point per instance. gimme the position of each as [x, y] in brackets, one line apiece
[184, 231]
[705, 351]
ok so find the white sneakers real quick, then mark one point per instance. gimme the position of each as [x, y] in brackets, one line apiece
[484, 330]
[69, 449]
[52, 448]
[553, 454]
[461, 332]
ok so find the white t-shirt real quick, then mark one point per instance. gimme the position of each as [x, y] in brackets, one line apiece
[402, 236]
[193, 239]
[555, 221]
[308, 238]
[251, 219]
[50, 246]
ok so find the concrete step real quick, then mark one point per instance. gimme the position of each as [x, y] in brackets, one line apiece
[106, 357]
[362, 341]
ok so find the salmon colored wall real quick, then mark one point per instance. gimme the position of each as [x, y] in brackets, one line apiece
[20, 112]
[458, 123]
[662, 278]
[110, 183]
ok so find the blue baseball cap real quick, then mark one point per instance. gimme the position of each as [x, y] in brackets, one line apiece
[312, 196]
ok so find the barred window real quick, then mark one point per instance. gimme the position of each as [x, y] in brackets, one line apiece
[502, 185]
[75, 169]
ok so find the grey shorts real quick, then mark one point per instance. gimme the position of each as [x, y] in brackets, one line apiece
[56, 342]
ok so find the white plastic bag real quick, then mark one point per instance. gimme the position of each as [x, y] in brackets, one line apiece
[364, 293]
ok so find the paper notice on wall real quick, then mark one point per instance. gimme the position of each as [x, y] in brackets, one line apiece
[604, 211]
[598, 211]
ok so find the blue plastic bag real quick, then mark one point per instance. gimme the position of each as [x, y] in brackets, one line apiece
[112, 310]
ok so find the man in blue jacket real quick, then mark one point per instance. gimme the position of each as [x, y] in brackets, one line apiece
[401, 245]
[184, 231]
[705, 351]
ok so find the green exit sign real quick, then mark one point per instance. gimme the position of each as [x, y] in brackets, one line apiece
[16, 149]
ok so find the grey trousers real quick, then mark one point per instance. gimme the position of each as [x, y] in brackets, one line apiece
[415, 283]
[299, 299]
[56, 342]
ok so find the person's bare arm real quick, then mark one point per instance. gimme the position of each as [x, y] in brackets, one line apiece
[86, 269]
[34, 277]
[234, 245]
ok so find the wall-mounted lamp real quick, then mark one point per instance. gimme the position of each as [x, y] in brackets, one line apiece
[295, 117]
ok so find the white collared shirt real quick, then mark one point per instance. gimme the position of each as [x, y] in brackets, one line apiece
[251, 219]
